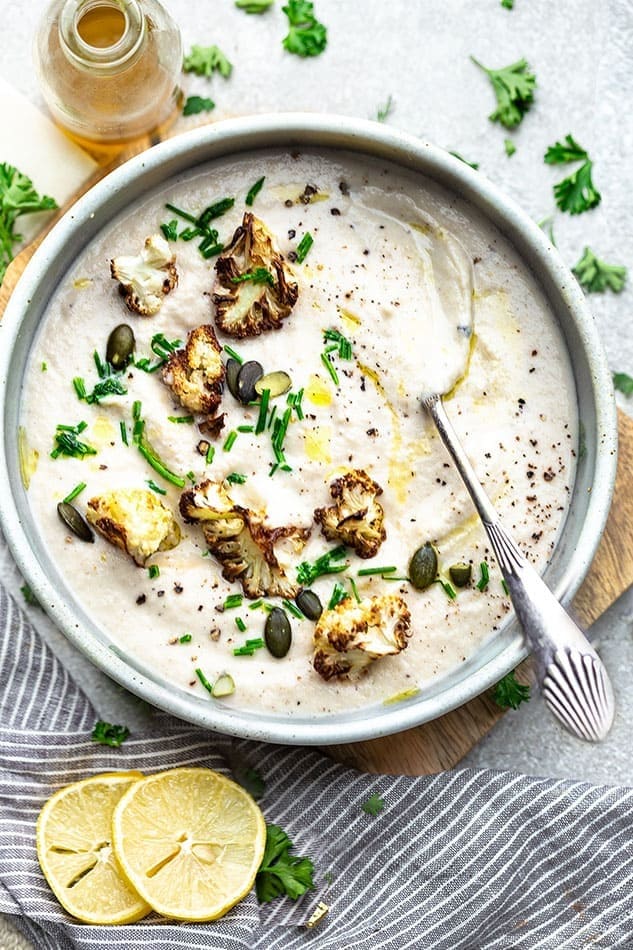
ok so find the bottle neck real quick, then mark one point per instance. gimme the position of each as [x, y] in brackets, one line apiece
[102, 35]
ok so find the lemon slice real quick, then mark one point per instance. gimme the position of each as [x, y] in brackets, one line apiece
[190, 842]
[74, 832]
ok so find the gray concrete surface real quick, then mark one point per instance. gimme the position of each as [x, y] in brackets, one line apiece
[417, 51]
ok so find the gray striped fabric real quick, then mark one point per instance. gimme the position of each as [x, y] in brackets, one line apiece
[465, 859]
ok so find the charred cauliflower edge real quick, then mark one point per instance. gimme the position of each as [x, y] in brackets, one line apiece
[351, 636]
[240, 541]
[356, 518]
[247, 308]
[195, 373]
[146, 278]
[134, 520]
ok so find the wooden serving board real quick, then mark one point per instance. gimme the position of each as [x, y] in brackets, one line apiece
[440, 744]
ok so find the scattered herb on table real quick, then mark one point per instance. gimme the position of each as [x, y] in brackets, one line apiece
[474, 165]
[507, 4]
[17, 197]
[374, 805]
[250, 779]
[254, 190]
[577, 192]
[194, 106]
[383, 112]
[547, 224]
[513, 86]
[623, 383]
[509, 693]
[510, 147]
[29, 596]
[306, 35]
[254, 6]
[107, 734]
[281, 873]
[205, 60]
[595, 275]
[325, 564]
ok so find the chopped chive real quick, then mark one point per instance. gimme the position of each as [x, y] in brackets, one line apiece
[485, 576]
[271, 418]
[338, 594]
[297, 406]
[185, 638]
[159, 466]
[245, 428]
[239, 623]
[102, 368]
[263, 411]
[255, 644]
[189, 234]
[212, 251]
[254, 190]
[192, 477]
[292, 609]
[447, 588]
[181, 419]
[366, 571]
[153, 571]
[80, 387]
[304, 246]
[273, 469]
[170, 229]
[182, 214]
[210, 454]
[506, 589]
[67, 443]
[152, 484]
[233, 600]
[236, 478]
[255, 604]
[230, 440]
[236, 356]
[216, 210]
[123, 428]
[136, 410]
[387, 577]
[44, 366]
[306, 572]
[325, 359]
[77, 490]
[352, 584]
[205, 682]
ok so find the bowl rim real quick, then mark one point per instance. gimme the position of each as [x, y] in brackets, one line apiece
[235, 136]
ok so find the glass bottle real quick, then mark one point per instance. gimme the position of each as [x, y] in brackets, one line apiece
[109, 70]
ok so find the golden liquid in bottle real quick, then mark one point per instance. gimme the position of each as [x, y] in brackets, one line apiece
[101, 26]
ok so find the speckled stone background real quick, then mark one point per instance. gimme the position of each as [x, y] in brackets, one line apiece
[417, 51]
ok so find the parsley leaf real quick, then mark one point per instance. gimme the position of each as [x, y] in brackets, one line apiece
[17, 197]
[509, 693]
[374, 805]
[474, 165]
[306, 36]
[196, 104]
[624, 383]
[596, 275]
[514, 88]
[577, 192]
[250, 779]
[383, 112]
[30, 597]
[510, 147]
[254, 6]
[205, 60]
[280, 872]
[508, 4]
[106, 734]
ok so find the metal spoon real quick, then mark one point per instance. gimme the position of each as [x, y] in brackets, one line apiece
[572, 677]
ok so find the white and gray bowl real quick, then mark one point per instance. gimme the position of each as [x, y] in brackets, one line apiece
[595, 474]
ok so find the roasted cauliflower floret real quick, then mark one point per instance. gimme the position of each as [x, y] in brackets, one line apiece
[247, 307]
[135, 520]
[147, 277]
[356, 518]
[351, 636]
[195, 374]
[241, 542]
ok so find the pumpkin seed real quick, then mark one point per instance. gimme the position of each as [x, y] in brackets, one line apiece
[232, 371]
[423, 566]
[277, 633]
[461, 573]
[309, 604]
[278, 383]
[223, 686]
[75, 521]
[120, 346]
[248, 375]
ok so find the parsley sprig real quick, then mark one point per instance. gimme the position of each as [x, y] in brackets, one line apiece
[509, 693]
[205, 60]
[17, 197]
[595, 275]
[623, 383]
[195, 105]
[577, 192]
[306, 35]
[281, 873]
[374, 805]
[513, 86]
[106, 734]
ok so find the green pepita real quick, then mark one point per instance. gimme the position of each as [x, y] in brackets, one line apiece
[309, 604]
[75, 521]
[277, 633]
[120, 346]
[278, 383]
[223, 686]
[423, 567]
[460, 573]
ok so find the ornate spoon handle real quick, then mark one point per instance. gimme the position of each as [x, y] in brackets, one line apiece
[573, 679]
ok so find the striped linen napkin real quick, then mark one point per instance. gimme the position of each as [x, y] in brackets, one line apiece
[465, 860]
